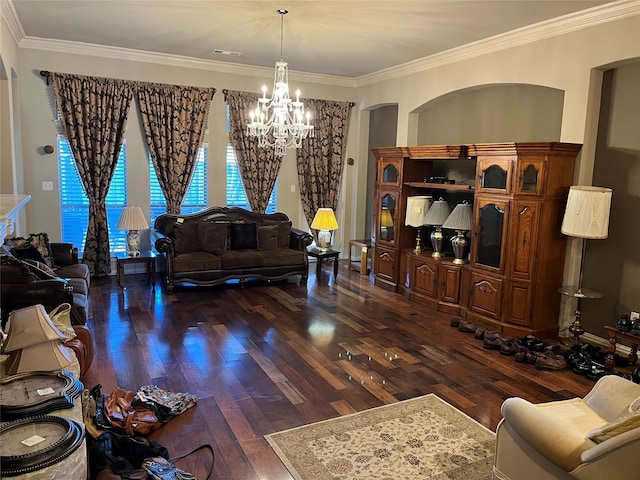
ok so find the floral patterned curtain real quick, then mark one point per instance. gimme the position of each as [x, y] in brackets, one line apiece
[258, 167]
[321, 158]
[173, 119]
[94, 117]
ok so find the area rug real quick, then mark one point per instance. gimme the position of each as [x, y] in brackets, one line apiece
[421, 438]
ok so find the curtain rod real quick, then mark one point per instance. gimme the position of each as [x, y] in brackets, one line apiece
[226, 90]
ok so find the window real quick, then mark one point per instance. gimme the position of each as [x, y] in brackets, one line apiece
[196, 196]
[74, 204]
[235, 190]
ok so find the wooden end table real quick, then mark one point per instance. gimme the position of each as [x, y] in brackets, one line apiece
[614, 334]
[363, 265]
[320, 255]
[146, 257]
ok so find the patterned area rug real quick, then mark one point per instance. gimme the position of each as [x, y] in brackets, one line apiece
[421, 438]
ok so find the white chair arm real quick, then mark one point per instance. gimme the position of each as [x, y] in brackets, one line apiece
[548, 435]
[611, 396]
[623, 440]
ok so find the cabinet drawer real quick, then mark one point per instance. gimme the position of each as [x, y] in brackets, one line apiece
[486, 294]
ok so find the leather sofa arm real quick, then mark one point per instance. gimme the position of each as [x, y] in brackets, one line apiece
[299, 239]
[163, 244]
[64, 253]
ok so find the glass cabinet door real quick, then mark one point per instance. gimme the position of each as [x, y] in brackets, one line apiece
[491, 223]
[494, 175]
[530, 174]
[389, 173]
[387, 218]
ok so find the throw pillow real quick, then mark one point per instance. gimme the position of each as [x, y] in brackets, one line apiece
[284, 232]
[185, 237]
[615, 427]
[38, 240]
[268, 237]
[635, 406]
[212, 237]
[243, 236]
[40, 269]
[28, 252]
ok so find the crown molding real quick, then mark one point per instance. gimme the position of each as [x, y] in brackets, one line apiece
[550, 28]
[531, 33]
[10, 16]
[79, 48]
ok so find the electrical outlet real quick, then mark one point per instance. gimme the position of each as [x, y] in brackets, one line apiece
[634, 316]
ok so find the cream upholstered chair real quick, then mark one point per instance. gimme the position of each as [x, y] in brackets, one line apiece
[594, 437]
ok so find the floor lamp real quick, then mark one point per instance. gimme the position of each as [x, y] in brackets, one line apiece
[586, 217]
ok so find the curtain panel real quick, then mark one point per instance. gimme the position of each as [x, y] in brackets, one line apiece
[320, 160]
[174, 119]
[94, 118]
[259, 167]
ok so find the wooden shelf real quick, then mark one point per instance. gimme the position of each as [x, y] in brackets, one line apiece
[442, 186]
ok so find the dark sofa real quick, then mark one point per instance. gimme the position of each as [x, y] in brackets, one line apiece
[225, 243]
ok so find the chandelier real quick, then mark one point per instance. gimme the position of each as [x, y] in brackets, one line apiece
[280, 122]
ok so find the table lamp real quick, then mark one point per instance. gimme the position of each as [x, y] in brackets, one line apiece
[386, 222]
[132, 219]
[586, 217]
[436, 216]
[417, 208]
[460, 220]
[325, 222]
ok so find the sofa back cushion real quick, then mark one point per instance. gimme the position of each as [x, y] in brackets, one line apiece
[14, 270]
[267, 237]
[185, 237]
[212, 237]
[284, 232]
[243, 236]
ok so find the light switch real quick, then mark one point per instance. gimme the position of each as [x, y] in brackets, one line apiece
[47, 186]
[293, 187]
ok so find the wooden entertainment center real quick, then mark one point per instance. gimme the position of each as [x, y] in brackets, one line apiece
[518, 192]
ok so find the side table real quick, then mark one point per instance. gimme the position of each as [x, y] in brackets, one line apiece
[614, 333]
[321, 255]
[147, 257]
[363, 265]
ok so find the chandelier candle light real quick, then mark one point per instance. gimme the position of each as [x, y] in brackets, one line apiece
[436, 216]
[417, 208]
[132, 219]
[324, 221]
[460, 220]
[280, 122]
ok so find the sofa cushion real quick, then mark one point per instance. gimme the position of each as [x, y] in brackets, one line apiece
[212, 237]
[233, 259]
[38, 240]
[283, 256]
[13, 269]
[185, 237]
[28, 252]
[196, 262]
[615, 427]
[76, 270]
[78, 285]
[267, 237]
[39, 269]
[284, 232]
[243, 236]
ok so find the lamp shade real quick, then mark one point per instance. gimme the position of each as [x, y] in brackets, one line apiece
[461, 218]
[417, 208]
[324, 220]
[30, 326]
[386, 220]
[438, 213]
[587, 212]
[132, 218]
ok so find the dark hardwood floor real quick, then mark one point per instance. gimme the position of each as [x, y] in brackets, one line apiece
[270, 357]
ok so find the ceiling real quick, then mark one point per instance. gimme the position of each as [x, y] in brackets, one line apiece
[345, 38]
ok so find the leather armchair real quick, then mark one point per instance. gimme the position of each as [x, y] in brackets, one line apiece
[551, 440]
